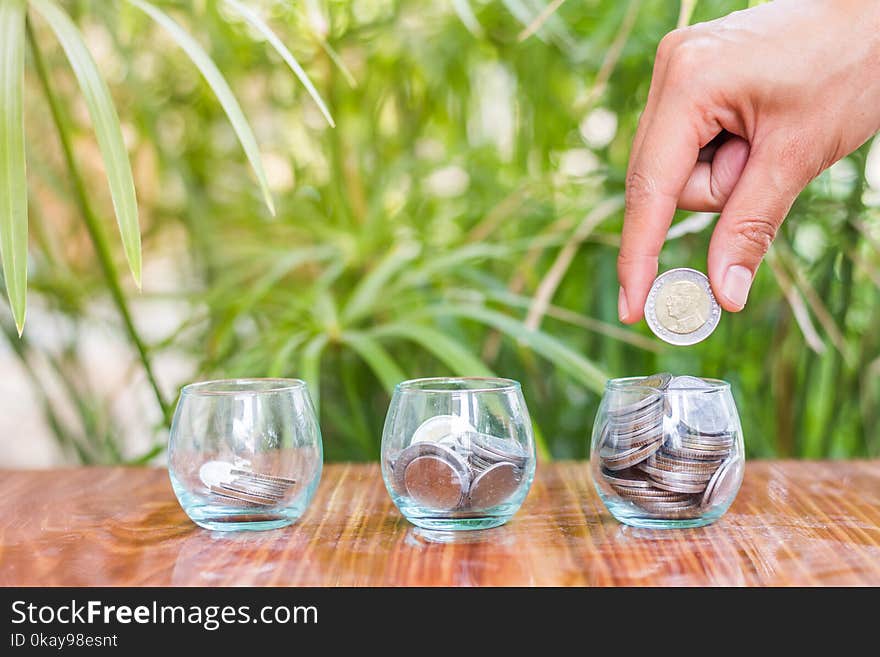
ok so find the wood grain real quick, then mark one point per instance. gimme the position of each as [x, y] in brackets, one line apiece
[792, 524]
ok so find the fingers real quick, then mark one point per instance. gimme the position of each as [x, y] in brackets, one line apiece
[657, 175]
[748, 224]
[667, 143]
[712, 182]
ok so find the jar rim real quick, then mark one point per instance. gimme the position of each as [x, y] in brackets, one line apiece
[245, 386]
[629, 382]
[447, 384]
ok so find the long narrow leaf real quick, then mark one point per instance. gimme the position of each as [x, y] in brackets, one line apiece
[220, 88]
[370, 287]
[283, 355]
[446, 349]
[540, 19]
[13, 177]
[107, 128]
[561, 356]
[336, 59]
[467, 17]
[513, 300]
[375, 355]
[260, 25]
[310, 367]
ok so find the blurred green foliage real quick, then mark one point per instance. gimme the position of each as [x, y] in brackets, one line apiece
[462, 218]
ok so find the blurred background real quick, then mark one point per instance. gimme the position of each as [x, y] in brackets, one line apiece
[462, 217]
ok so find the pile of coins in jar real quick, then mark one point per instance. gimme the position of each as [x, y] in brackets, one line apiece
[450, 466]
[668, 465]
[241, 486]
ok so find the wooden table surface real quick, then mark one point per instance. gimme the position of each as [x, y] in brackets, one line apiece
[792, 524]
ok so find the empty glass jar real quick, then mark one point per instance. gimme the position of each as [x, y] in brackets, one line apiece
[667, 451]
[245, 453]
[458, 453]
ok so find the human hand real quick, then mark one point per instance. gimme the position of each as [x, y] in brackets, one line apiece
[793, 86]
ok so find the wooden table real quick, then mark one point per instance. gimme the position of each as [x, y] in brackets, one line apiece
[794, 523]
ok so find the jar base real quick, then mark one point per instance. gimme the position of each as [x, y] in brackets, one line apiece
[661, 523]
[220, 519]
[225, 525]
[458, 524]
[624, 513]
[224, 518]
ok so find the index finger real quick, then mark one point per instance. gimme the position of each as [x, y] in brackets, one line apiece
[657, 174]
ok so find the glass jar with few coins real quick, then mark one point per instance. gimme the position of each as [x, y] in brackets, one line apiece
[667, 451]
[458, 453]
[245, 454]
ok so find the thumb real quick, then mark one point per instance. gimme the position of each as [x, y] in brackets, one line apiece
[762, 197]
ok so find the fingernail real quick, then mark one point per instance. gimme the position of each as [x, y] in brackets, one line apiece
[737, 282]
[622, 309]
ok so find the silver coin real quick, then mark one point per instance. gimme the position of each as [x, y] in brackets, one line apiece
[623, 411]
[286, 481]
[230, 500]
[678, 486]
[659, 381]
[505, 448]
[687, 502]
[494, 486]
[425, 448]
[681, 308]
[667, 475]
[243, 495]
[703, 416]
[626, 479]
[435, 428]
[722, 437]
[680, 512]
[632, 432]
[262, 489]
[434, 482]
[686, 382]
[693, 454]
[660, 460]
[622, 445]
[619, 460]
[699, 444]
[724, 483]
[654, 494]
[244, 488]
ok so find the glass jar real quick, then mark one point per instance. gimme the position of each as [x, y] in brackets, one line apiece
[458, 453]
[245, 453]
[667, 451]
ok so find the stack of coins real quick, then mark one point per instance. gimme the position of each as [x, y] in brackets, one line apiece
[450, 466]
[661, 464]
[242, 487]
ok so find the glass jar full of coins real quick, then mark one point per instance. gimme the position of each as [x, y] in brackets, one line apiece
[458, 453]
[667, 451]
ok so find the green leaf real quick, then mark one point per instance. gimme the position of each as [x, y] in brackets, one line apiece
[336, 59]
[446, 349]
[221, 89]
[283, 355]
[370, 288]
[260, 25]
[375, 355]
[563, 357]
[310, 365]
[13, 176]
[107, 128]
[467, 17]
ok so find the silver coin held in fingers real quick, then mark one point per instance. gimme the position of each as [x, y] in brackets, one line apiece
[681, 308]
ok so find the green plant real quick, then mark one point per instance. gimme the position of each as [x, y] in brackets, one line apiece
[462, 218]
[17, 31]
